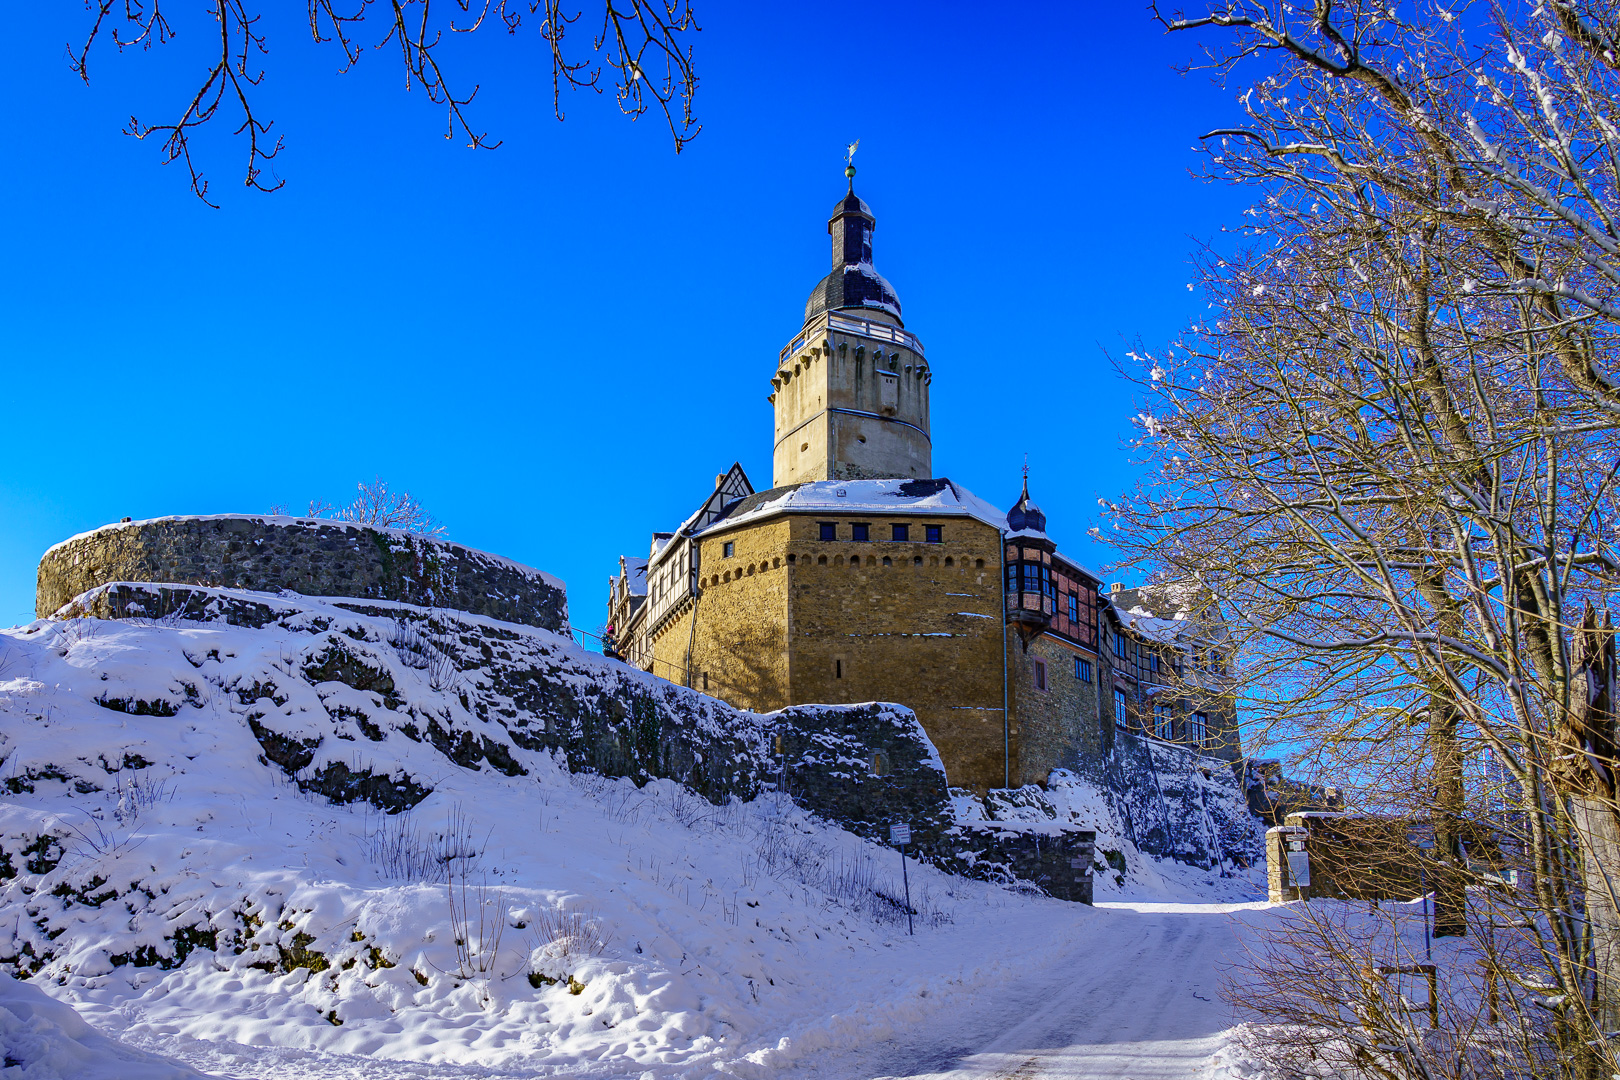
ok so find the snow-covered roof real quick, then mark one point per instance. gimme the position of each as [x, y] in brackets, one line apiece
[289, 522]
[1141, 622]
[635, 574]
[876, 497]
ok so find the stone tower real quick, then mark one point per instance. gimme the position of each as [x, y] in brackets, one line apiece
[851, 389]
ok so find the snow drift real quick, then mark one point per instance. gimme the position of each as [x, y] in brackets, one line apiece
[197, 849]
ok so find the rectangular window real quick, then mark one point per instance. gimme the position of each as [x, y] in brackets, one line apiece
[1164, 721]
[901, 532]
[829, 530]
[1198, 729]
[838, 669]
[859, 531]
[729, 550]
[1074, 608]
[1082, 669]
[1119, 646]
[1153, 661]
[935, 534]
[1040, 674]
[1122, 718]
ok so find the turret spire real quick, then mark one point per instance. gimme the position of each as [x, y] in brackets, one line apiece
[853, 283]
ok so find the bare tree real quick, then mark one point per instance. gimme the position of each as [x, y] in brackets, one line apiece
[1388, 457]
[643, 43]
[374, 504]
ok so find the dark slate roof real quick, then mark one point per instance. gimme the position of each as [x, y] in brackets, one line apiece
[852, 203]
[1025, 517]
[855, 286]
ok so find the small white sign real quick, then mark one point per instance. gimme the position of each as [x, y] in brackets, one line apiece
[899, 834]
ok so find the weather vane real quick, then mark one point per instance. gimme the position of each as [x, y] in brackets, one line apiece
[849, 162]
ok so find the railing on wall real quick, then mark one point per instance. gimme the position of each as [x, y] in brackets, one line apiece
[850, 324]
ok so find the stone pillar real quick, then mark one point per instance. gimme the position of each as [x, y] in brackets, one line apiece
[1280, 886]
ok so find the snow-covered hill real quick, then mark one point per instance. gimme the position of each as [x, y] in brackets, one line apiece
[174, 863]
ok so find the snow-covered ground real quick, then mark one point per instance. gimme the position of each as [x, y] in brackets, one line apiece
[587, 928]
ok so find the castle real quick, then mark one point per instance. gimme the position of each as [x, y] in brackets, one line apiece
[860, 576]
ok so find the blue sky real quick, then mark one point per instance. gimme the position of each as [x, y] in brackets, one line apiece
[557, 344]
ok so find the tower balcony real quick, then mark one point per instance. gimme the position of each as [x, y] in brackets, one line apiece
[829, 321]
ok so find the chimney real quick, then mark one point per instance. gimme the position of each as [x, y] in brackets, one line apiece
[719, 479]
[1116, 588]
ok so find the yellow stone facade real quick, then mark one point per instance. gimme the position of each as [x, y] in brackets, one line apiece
[788, 618]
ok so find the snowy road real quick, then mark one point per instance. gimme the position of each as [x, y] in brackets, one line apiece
[1139, 1002]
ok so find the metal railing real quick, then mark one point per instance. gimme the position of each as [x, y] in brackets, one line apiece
[828, 320]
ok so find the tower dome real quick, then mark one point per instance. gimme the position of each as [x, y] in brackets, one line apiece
[853, 283]
[1025, 518]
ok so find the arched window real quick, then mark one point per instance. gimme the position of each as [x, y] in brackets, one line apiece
[822, 561]
[887, 561]
[949, 561]
[854, 560]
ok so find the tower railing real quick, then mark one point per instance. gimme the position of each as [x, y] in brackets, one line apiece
[829, 320]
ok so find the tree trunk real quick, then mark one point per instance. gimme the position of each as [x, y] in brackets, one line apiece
[1449, 875]
[1598, 826]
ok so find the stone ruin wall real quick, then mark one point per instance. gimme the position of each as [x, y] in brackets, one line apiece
[311, 556]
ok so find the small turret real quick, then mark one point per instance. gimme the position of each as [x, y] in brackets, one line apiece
[1031, 592]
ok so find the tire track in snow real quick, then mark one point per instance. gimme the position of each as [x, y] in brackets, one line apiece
[1137, 1002]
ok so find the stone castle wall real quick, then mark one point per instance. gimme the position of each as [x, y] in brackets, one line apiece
[314, 557]
[788, 618]
[740, 653]
[1058, 727]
